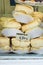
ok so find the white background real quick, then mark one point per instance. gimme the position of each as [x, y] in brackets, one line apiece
[21, 62]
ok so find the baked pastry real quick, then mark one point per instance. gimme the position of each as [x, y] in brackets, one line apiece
[9, 23]
[22, 17]
[38, 15]
[4, 44]
[20, 50]
[24, 8]
[37, 45]
[20, 46]
[32, 0]
[20, 43]
[36, 22]
[10, 32]
[38, 42]
[35, 32]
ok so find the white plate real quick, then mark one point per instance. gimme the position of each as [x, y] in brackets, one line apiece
[22, 18]
[10, 32]
[36, 32]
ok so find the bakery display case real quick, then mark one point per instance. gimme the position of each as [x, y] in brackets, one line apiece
[21, 29]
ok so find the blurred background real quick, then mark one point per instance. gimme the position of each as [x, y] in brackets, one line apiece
[7, 6]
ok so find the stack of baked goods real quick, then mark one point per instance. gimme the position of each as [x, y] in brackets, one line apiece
[22, 13]
[20, 46]
[24, 22]
[31, 24]
[37, 45]
[8, 28]
[29, 19]
[38, 15]
[4, 44]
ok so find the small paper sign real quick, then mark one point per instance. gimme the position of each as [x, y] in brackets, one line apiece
[22, 36]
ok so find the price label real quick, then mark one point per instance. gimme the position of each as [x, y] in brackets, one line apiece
[23, 36]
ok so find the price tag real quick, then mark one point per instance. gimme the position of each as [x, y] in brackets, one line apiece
[22, 36]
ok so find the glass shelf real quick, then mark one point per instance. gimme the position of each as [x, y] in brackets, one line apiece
[12, 56]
